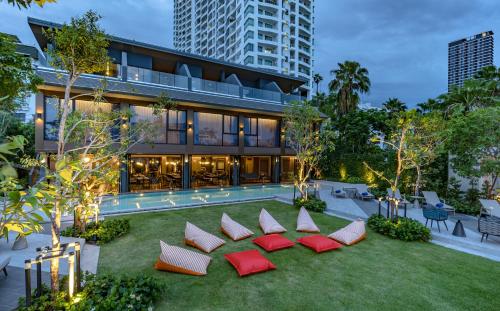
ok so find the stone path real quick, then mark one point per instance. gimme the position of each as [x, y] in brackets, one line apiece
[12, 287]
[353, 209]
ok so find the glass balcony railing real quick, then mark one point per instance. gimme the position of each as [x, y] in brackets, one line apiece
[156, 77]
[215, 87]
[250, 92]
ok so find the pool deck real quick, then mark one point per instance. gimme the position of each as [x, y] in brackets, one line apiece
[352, 209]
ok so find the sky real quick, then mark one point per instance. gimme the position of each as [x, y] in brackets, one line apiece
[402, 43]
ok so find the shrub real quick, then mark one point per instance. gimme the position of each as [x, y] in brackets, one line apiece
[405, 229]
[312, 203]
[106, 292]
[101, 232]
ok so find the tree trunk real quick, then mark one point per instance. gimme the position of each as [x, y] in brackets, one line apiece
[56, 244]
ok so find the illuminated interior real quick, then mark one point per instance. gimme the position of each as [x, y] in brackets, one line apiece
[155, 172]
[211, 171]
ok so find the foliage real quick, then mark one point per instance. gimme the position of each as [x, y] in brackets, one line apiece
[405, 229]
[394, 105]
[350, 80]
[19, 208]
[17, 77]
[27, 3]
[103, 292]
[468, 202]
[307, 139]
[101, 232]
[311, 203]
[473, 140]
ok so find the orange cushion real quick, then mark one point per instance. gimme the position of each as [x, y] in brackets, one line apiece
[273, 242]
[163, 266]
[319, 243]
[249, 262]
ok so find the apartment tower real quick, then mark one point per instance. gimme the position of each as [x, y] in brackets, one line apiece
[276, 35]
[467, 56]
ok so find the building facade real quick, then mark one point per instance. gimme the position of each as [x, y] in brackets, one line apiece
[467, 56]
[276, 35]
[225, 130]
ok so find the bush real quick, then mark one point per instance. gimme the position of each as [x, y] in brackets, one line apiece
[101, 232]
[312, 203]
[405, 229]
[105, 292]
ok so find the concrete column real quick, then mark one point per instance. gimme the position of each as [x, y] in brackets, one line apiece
[186, 172]
[275, 178]
[236, 171]
[124, 66]
[124, 174]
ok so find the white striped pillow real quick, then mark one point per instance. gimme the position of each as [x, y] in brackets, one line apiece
[177, 259]
[350, 234]
[233, 229]
[269, 224]
[203, 240]
[305, 223]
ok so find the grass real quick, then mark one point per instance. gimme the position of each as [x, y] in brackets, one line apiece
[376, 274]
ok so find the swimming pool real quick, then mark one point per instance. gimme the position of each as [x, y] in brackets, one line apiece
[135, 202]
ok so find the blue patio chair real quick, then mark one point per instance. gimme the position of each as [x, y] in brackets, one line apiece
[435, 214]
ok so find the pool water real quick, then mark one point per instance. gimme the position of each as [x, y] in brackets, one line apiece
[175, 199]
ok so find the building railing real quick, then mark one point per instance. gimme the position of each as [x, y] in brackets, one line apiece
[148, 76]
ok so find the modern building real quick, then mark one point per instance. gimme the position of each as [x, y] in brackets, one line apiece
[467, 56]
[26, 111]
[277, 35]
[225, 130]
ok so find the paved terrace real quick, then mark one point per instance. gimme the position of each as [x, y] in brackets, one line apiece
[352, 209]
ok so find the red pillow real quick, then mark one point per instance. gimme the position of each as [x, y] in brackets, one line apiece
[249, 262]
[319, 243]
[273, 242]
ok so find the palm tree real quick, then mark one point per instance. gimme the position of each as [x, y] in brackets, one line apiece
[317, 78]
[430, 105]
[350, 80]
[394, 105]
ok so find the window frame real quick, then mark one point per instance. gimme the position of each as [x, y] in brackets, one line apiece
[222, 133]
[179, 130]
[256, 135]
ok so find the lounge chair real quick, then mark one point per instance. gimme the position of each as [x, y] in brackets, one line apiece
[490, 207]
[4, 262]
[338, 191]
[397, 196]
[362, 192]
[432, 199]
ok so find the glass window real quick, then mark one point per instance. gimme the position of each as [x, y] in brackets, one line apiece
[157, 133]
[261, 132]
[89, 107]
[51, 109]
[176, 127]
[207, 129]
[230, 137]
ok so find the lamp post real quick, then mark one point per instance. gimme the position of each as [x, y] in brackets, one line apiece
[379, 205]
[388, 207]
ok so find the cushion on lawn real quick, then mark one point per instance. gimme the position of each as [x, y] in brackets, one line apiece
[319, 243]
[352, 233]
[273, 242]
[249, 262]
[194, 236]
[268, 224]
[233, 229]
[305, 222]
[180, 260]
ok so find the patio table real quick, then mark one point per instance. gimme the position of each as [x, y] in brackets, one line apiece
[350, 191]
[416, 201]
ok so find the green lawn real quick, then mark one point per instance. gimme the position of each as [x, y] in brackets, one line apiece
[376, 274]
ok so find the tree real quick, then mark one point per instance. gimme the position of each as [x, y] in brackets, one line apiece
[398, 141]
[474, 94]
[317, 78]
[473, 141]
[430, 105]
[80, 47]
[27, 3]
[394, 105]
[422, 143]
[350, 80]
[307, 139]
[17, 77]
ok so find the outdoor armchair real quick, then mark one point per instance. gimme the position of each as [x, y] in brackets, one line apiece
[488, 225]
[490, 207]
[435, 214]
[338, 191]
